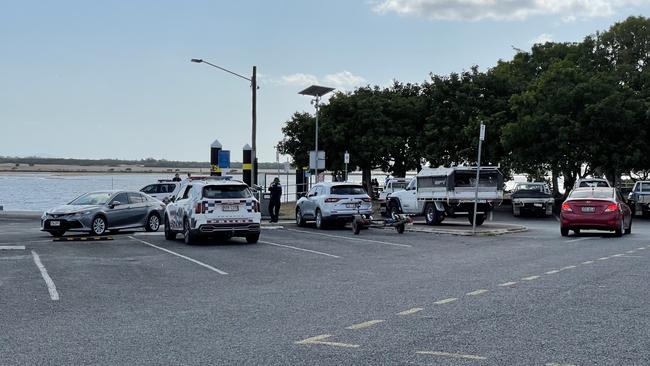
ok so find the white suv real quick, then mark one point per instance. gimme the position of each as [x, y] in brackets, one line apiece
[213, 207]
[332, 202]
[164, 190]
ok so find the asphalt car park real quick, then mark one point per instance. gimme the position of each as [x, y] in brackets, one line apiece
[327, 297]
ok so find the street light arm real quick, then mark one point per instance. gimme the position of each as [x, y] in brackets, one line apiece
[221, 68]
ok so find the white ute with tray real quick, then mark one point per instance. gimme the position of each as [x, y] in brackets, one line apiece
[213, 207]
[437, 193]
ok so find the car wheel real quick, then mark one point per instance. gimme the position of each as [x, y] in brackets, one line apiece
[169, 234]
[393, 209]
[430, 214]
[299, 220]
[187, 233]
[57, 233]
[98, 226]
[356, 227]
[153, 223]
[319, 220]
[629, 229]
[564, 232]
[619, 232]
[516, 211]
[252, 238]
[480, 218]
[400, 229]
[577, 231]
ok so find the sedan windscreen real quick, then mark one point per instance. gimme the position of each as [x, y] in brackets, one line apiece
[95, 198]
[347, 190]
[233, 191]
[592, 194]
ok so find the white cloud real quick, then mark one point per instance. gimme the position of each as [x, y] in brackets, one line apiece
[542, 38]
[298, 79]
[344, 79]
[474, 10]
[340, 80]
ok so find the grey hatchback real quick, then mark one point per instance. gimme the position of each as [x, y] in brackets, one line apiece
[98, 212]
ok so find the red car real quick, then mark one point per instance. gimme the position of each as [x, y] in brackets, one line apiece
[595, 208]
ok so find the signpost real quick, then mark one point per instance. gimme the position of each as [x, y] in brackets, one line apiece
[346, 160]
[478, 172]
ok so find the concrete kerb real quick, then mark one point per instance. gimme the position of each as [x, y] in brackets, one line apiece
[21, 214]
[467, 232]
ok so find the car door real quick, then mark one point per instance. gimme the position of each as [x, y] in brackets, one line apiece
[182, 207]
[627, 211]
[309, 204]
[138, 210]
[118, 210]
[409, 202]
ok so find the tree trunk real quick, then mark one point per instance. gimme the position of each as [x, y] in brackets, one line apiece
[366, 177]
[554, 181]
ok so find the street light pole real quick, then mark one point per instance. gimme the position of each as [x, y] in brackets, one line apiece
[317, 92]
[253, 81]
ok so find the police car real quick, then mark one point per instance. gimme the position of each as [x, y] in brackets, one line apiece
[213, 207]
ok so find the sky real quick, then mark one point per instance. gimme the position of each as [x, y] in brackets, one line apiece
[113, 79]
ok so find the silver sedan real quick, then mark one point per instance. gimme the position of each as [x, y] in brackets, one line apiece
[98, 212]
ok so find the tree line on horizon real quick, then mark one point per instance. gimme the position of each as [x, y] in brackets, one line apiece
[148, 162]
[563, 109]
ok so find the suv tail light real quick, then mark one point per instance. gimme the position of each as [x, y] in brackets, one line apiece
[332, 200]
[200, 208]
[612, 207]
[566, 207]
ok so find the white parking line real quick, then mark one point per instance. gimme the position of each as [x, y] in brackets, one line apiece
[181, 256]
[477, 292]
[410, 311]
[301, 249]
[588, 262]
[452, 355]
[350, 238]
[445, 301]
[367, 324]
[567, 267]
[319, 339]
[556, 218]
[530, 278]
[507, 284]
[51, 288]
[12, 247]
[552, 271]
[579, 239]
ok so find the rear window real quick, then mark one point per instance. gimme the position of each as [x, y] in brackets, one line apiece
[591, 183]
[530, 187]
[225, 191]
[592, 194]
[345, 190]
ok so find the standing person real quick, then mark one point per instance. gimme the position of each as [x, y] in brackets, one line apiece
[189, 175]
[177, 178]
[274, 204]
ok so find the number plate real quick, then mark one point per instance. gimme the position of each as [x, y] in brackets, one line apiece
[230, 207]
[55, 223]
[538, 204]
[351, 205]
[588, 209]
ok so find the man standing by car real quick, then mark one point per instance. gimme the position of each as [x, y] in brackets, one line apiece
[177, 178]
[274, 204]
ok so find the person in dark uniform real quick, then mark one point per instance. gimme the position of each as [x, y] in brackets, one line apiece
[177, 178]
[274, 204]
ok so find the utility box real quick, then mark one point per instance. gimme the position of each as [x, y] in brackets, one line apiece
[265, 198]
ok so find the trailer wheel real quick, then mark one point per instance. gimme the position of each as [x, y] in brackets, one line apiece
[400, 229]
[356, 227]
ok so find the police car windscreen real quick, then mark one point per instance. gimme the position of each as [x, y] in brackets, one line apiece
[225, 191]
[347, 190]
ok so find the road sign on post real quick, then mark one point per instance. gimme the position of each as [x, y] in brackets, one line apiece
[321, 160]
[224, 159]
[478, 176]
[346, 160]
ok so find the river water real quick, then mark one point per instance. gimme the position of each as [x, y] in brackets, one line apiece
[42, 191]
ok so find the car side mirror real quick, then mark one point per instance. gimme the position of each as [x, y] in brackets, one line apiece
[114, 204]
